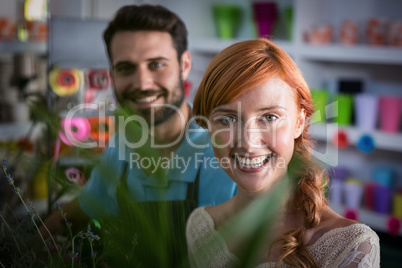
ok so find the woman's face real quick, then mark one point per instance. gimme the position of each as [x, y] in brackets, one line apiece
[253, 136]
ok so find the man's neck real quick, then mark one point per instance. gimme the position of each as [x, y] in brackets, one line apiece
[170, 133]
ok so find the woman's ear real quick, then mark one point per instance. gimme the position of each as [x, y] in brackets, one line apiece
[185, 64]
[301, 120]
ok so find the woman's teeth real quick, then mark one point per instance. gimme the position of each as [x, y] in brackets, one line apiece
[146, 99]
[253, 163]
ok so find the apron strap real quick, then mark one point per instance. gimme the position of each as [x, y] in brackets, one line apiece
[174, 213]
[193, 189]
[123, 178]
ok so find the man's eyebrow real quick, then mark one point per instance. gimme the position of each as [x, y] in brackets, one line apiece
[132, 63]
[157, 59]
[122, 63]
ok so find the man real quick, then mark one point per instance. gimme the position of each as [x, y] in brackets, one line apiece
[149, 60]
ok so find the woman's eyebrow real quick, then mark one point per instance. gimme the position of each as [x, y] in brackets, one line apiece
[273, 108]
[227, 110]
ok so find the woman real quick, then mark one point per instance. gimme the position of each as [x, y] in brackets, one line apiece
[257, 106]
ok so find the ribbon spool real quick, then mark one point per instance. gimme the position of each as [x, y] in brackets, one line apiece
[351, 214]
[65, 82]
[99, 79]
[75, 175]
[366, 144]
[393, 225]
[341, 139]
[79, 128]
[101, 128]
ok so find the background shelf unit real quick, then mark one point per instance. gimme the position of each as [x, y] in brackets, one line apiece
[382, 140]
[375, 220]
[331, 53]
[14, 131]
[19, 47]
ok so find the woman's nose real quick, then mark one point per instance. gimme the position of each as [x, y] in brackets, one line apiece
[252, 136]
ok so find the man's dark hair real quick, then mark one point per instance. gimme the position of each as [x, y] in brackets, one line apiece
[148, 18]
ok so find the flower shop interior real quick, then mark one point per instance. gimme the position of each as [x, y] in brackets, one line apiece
[349, 51]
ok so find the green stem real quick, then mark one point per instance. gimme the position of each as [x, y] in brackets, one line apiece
[29, 212]
[72, 252]
[50, 235]
[37, 229]
[47, 230]
[93, 255]
[73, 248]
[36, 226]
[2, 265]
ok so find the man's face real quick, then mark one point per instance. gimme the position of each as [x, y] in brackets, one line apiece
[146, 73]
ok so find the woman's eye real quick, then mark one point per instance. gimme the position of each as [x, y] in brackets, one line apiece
[270, 117]
[227, 120]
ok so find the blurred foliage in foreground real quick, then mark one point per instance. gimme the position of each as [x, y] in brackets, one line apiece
[137, 238]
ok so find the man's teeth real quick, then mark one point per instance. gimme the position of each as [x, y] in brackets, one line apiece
[253, 163]
[147, 99]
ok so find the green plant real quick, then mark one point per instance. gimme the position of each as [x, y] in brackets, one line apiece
[19, 239]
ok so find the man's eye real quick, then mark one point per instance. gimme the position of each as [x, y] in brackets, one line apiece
[155, 65]
[227, 120]
[125, 69]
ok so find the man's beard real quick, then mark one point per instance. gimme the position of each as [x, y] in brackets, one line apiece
[160, 114]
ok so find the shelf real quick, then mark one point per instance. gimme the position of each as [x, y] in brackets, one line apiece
[215, 45]
[67, 161]
[17, 47]
[332, 53]
[14, 131]
[382, 140]
[352, 54]
[375, 220]
[89, 113]
[84, 64]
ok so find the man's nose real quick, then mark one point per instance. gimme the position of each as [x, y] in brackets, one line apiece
[143, 79]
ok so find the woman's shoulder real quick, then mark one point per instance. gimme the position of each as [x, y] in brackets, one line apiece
[335, 224]
[197, 214]
[339, 238]
[342, 236]
[334, 221]
[341, 246]
[199, 223]
[206, 246]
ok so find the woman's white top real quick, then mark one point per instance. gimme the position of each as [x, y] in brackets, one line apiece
[355, 245]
